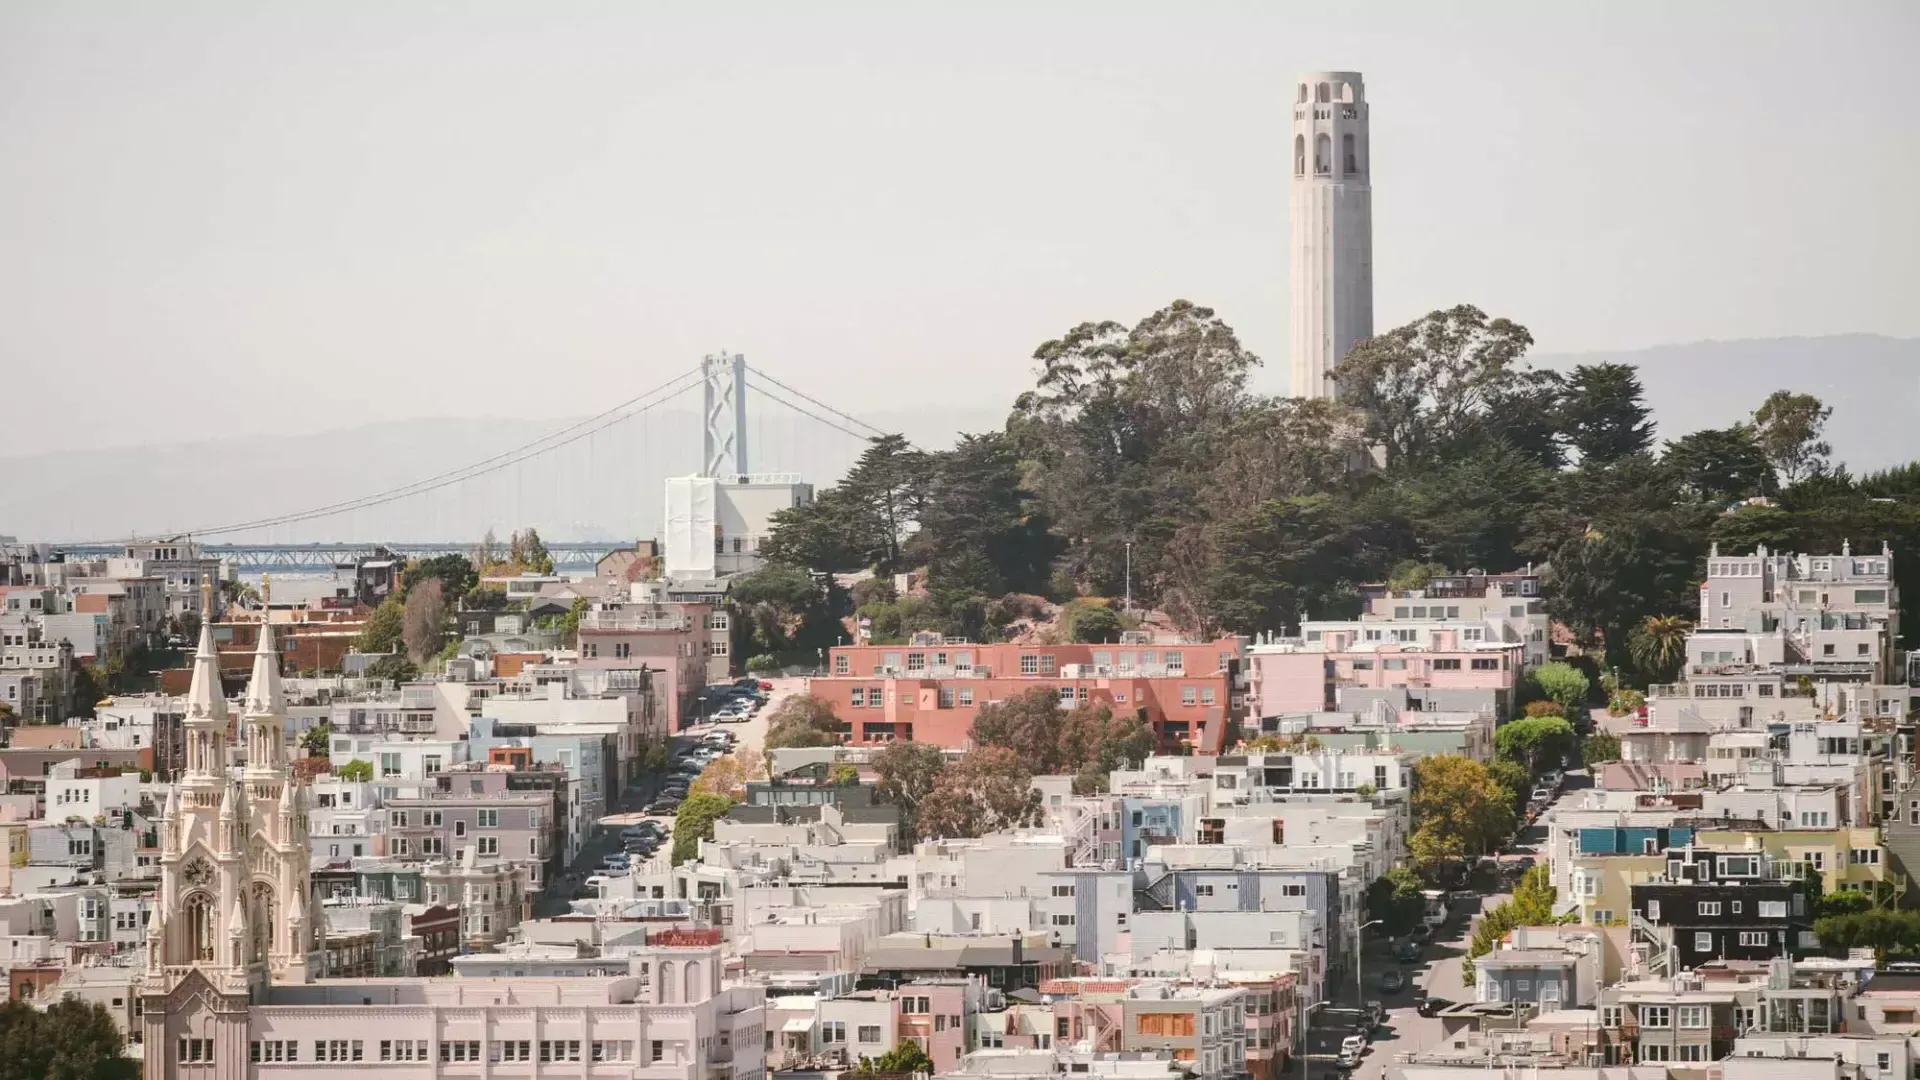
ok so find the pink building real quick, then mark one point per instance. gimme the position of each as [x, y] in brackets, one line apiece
[931, 690]
[1306, 676]
[689, 642]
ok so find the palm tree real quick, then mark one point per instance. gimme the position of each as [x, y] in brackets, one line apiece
[1659, 646]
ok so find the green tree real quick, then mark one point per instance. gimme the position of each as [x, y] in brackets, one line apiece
[693, 822]
[1426, 384]
[88, 689]
[843, 775]
[1787, 427]
[1535, 742]
[395, 667]
[71, 1040]
[905, 773]
[987, 790]
[1267, 566]
[355, 771]
[1027, 724]
[1121, 433]
[1395, 899]
[905, 1059]
[803, 720]
[383, 629]
[979, 523]
[1603, 414]
[1565, 685]
[1092, 623]
[453, 571]
[1625, 702]
[317, 740]
[528, 553]
[1513, 779]
[1659, 646]
[1599, 747]
[1411, 574]
[1460, 804]
[1720, 465]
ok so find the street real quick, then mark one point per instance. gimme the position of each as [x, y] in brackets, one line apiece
[751, 735]
[1435, 974]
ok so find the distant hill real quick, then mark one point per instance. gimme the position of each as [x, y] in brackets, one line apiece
[1872, 383]
[609, 486]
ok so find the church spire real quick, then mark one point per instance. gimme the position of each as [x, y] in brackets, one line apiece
[264, 694]
[205, 699]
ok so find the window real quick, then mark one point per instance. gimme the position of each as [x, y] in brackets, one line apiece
[1206, 695]
[339, 1050]
[869, 1034]
[1703, 942]
[196, 1050]
[858, 697]
[403, 1050]
[1062, 890]
[1065, 920]
[1754, 937]
[1773, 909]
[488, 819]
[1203, 890]
[1656, 1016]
[1693, 1016]
[1293, 889]
[1029, 663]
[1189, 695]
[1691, 1052]
[489, 845]
[1446, 664]
[460, 1050]
[966, 695]
[1709, 907]
[1486, 663]
[840, 666]
[946, 697]
[831, 1031]
[559, 1049]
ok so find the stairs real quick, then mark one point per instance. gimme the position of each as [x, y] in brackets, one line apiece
[1658, 958]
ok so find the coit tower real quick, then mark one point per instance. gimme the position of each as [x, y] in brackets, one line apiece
[1332, 213]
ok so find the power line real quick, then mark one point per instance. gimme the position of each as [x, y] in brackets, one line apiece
[574, 432]
[804, 396]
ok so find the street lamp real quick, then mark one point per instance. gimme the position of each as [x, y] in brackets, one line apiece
[1359, 988]
[1304, 1010]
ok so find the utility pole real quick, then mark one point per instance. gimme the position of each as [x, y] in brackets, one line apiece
[1127, 604]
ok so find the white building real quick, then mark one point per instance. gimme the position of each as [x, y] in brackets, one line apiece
[1332, 227]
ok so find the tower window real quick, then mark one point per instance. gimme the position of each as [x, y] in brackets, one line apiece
[1322, 154]
[1347, 154]
[1324, 93]
[1300, 149]
[1303, 93]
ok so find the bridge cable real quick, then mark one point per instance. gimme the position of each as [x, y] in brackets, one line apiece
[608, 418]
[811, 415]
[756, 372]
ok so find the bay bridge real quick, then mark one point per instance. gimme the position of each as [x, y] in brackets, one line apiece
[723, 384]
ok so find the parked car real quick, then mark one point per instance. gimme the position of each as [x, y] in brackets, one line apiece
[1351, 1049]
[1542, 795]
[1407, 951]
[616, 861]
[1392, 982]
[1429, 1006]
[663, 807]
[765, 685]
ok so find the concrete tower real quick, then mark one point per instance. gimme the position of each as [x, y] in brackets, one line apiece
[1332, 213]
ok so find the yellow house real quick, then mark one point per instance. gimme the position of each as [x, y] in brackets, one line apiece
[1602, 885]
[1847, 858]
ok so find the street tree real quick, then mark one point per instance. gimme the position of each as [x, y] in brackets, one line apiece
[1659, 646]
[424, 620]
[803, 720]
[1456, 799]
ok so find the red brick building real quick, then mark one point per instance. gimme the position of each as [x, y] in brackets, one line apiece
[931, 690]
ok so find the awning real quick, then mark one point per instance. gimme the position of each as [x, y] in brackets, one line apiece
[798, 1023]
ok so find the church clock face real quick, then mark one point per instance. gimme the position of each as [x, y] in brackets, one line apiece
[199, 872]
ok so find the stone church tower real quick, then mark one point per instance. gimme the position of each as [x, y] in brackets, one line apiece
[235, 907]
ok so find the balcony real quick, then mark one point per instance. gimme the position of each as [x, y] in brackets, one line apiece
[635, 621]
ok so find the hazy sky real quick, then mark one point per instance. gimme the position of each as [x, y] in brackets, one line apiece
[257, 216]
